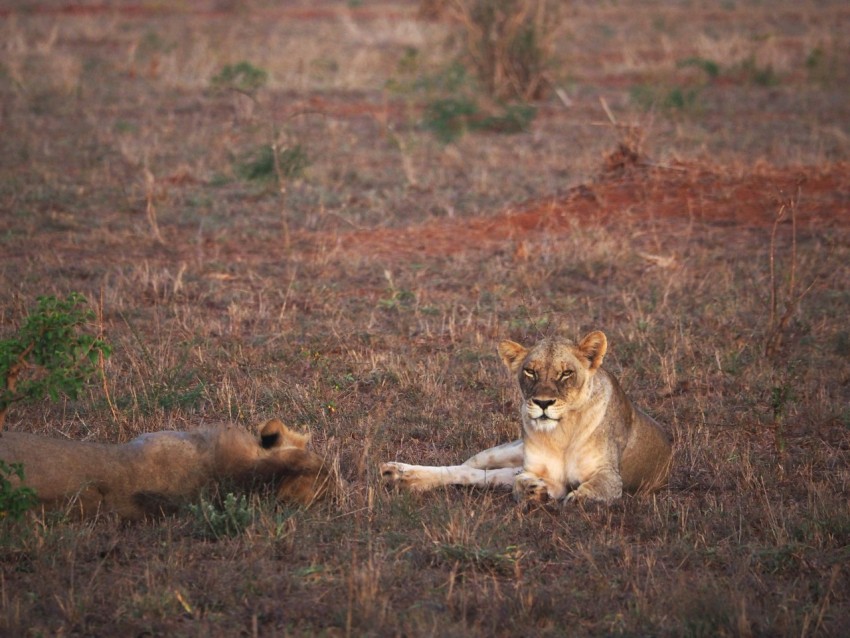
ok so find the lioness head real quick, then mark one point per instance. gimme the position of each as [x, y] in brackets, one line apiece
[303, 477]
[554, 375]
[274, 434]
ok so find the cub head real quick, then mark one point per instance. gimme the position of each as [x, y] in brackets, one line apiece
[554, 375]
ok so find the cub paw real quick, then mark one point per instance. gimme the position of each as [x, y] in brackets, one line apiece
[531, 488]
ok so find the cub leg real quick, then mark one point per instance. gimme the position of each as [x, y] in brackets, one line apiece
[505, 455]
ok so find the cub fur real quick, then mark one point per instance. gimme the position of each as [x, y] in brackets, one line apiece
[158, 472]
[582, 438]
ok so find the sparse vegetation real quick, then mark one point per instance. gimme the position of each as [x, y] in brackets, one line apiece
[51, 354]
[375, 329]
[266, 163]
[227, 519]
[15, 499]
[449, 118]
[454, 106]
[242, 77]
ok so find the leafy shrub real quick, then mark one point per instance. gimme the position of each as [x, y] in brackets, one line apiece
[260, 165]
[14, 501]
[51, 354]
[242, 77]
[454, 104]
[710, 67]
[448, 118]
[228, 520]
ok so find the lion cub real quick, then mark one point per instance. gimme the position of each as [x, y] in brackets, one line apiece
[157, 472]
[582, 438]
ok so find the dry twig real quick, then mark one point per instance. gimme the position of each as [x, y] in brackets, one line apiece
[792, 297]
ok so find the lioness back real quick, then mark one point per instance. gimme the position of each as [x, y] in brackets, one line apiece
[647, 451]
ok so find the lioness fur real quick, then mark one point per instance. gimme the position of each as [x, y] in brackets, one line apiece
[582, 438]
[158, 472]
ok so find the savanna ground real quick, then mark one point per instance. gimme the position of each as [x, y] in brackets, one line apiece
[364, 303]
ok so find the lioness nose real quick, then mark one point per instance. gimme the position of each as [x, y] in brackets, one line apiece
[543, 403]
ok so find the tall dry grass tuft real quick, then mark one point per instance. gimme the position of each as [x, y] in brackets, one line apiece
[150, 204]
[784, 300]
[510, 44]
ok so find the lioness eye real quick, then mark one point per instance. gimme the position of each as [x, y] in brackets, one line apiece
[566, 374]
[529, 373]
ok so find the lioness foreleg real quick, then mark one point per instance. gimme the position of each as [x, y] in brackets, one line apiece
[530, 486]
[501, 456]
[424, 477]
[605, 485]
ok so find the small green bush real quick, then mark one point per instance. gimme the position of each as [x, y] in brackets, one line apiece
[228, 520]
[454, 104]
[51, 354]
[259, 165]
[14, 501]
[449, 118]
[242, 77]
[710, 67]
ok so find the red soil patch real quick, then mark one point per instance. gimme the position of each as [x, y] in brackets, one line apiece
[687, 192]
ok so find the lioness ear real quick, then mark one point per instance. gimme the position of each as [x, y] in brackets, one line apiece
[270, 434]
[593, 347]
[275, 434]
[512, 354]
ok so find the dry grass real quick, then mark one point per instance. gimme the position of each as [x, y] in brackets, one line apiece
[118, 179]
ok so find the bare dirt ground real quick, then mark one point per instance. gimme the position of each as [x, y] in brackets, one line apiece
[696, 193]
[362, 297]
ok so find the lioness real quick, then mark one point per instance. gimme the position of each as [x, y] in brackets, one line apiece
[582, 438]
[157, 472]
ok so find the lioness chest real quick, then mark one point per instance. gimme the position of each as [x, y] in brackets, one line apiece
[575, 450]
[569, 465]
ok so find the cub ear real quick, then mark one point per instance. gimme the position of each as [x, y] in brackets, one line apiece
[512, 354]
[274, 434]
[593, 347]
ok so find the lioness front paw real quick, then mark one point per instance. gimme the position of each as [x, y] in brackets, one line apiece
[402, 475]
[584, 494]
[531, 487]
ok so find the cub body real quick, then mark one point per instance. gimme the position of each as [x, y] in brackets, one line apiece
[158, 472]
[582, 438]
